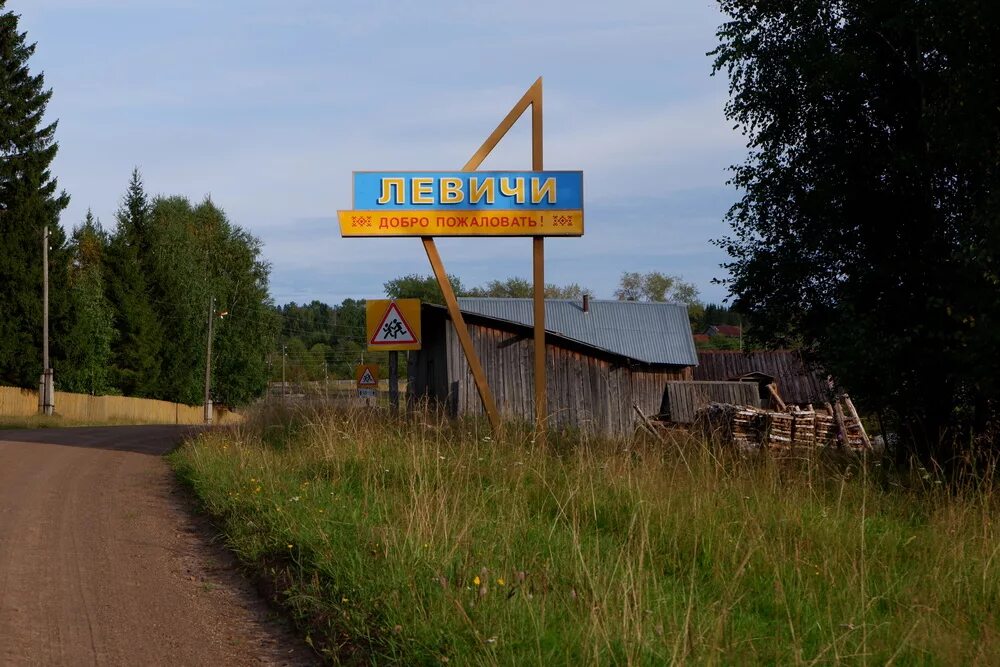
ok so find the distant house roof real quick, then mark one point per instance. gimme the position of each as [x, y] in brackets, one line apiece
[730, 330]
[652, 333]
[796, 382]
[701, 338]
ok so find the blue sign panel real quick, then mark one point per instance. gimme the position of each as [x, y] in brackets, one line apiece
[469, 191]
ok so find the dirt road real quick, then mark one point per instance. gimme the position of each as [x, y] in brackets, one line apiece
[101, 563]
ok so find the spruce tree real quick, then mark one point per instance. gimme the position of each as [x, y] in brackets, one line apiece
[139, 336]
[29, 202]
[88, 341]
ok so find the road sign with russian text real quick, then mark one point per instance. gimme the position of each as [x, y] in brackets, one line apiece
[479, 203]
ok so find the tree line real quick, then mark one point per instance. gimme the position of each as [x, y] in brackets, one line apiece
[129, 306]
[318, 341]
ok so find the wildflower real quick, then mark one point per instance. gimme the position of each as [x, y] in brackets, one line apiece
[294, 499]
[476, 580]
[291, 546]
[501, 582]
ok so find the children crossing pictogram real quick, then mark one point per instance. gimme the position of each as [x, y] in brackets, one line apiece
[367, 380]
[393, 329]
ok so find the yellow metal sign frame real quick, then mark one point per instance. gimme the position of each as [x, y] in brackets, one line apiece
[531, 98]
[377, 311]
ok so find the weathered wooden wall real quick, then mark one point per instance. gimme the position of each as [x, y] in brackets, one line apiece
[16, 402]
[796, 382]
[682, 399]
[584, 391]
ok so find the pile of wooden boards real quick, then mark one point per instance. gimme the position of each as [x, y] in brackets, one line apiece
[751, 428]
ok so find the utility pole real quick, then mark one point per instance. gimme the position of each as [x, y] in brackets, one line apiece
[208, 361]
[284, 387]
[394, 382]
[46, 390]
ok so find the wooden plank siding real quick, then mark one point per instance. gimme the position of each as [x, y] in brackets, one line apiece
[592, 392]
[682, 400]
[797, 383]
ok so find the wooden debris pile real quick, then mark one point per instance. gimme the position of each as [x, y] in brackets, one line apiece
[793, 427]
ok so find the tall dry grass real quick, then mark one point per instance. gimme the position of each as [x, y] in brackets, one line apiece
[427, 542]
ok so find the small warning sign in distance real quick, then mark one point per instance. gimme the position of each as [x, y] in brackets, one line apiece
[366, 376]
[393, 325]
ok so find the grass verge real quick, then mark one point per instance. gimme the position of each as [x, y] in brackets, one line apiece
[427, 543]
[51, 421]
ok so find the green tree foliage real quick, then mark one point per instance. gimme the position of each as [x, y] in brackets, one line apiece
[29, 202]
[520, 288]
[197, 254]
[868, 229]
[319, 342]
[656, 286]
[715, 313]
[136, 359]
[88, 341]
[425, 288]
[315, 323]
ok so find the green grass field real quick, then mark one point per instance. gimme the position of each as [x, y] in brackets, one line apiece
[428, 543]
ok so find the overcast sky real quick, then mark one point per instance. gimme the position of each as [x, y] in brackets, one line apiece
[269, 106]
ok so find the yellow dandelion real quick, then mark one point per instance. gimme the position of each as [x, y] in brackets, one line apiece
[476, 580]
[501, 582]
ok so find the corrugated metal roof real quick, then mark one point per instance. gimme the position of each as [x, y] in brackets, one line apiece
[653, 333]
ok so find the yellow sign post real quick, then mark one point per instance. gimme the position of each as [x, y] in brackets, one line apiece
[393, 324]
[535, 204]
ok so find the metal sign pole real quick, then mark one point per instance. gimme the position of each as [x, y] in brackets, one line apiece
[538, 265]
[488, 204]
[533, 98]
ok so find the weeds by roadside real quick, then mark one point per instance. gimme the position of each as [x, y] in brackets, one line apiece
[427, 543]
[53, 421]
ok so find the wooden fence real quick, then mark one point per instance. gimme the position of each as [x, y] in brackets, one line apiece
[682, 399]
[16, 402]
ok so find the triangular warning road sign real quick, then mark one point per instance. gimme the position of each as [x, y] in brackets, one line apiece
[393, 329]
[367, 379]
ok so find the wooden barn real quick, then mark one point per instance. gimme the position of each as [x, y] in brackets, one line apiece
[797, 383]
[603, 358]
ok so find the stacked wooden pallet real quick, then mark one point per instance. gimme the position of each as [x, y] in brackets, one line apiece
[804, 433]
[825, 430]
[749, 427]
[779, 429]
[746, 427]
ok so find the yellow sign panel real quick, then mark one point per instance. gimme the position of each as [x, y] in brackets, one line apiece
[393, 324]
[366, 376]
[461, 223]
